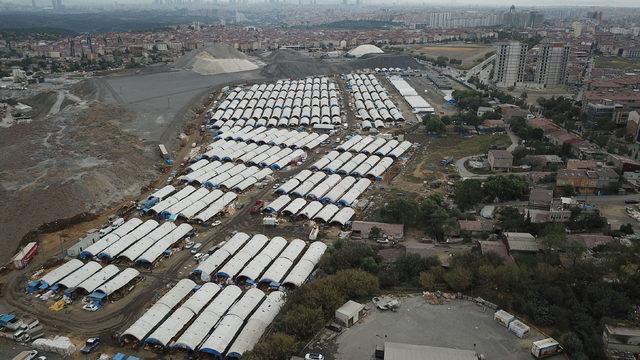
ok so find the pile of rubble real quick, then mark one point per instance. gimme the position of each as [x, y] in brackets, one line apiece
[438, 297]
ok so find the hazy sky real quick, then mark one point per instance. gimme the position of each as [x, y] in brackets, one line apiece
[506, 4]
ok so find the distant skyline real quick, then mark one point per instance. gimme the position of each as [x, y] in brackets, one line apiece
[492, 3]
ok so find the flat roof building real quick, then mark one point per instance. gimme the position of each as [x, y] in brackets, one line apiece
[399, 351]
[349, 313]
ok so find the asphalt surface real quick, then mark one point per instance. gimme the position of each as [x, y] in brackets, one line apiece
[458, 324]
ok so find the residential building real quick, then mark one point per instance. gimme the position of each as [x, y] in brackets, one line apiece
[633, 125]
[496, 247]
[361, 229]
[590, 241]
[551, 69]
[476, 227]
[500, 160]
[586, 181]
[521, 242]
[621, 338]
[509, 68]
[540, 198]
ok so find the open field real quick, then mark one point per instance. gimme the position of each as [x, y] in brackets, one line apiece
[425, 165]
[616, 63]
[457, 324]
[468, 53]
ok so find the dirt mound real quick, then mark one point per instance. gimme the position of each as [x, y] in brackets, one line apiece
[76, 161]
[216, 59]
[294, 64]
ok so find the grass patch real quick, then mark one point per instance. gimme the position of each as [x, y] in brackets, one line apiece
[611, 62]
[457, 147]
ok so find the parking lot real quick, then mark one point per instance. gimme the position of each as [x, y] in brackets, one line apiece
[458, 324]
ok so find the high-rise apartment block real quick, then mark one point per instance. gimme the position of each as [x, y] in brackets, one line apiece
[510, 63]
[552, 64]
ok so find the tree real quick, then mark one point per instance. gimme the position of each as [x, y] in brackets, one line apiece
[433, 124]
[303, 322]
[568, 190]
[626, 229]
[375, 233]
[427, 280]
[511, 219]
[277, 346]
[458, 279]
[468, 193]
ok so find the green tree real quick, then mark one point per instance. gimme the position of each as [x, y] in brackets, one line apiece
[459, 278]
[277, 346]
[468, 193]
[303, 322]
[433, 124]
[375, 233]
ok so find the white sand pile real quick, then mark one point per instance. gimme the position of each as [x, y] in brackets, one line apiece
[216, 59]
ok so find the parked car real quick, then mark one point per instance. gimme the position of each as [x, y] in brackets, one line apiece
[197, 256]
[313, 356]
[631, 201]
[90, 345]
[195, 247]
[216, 223]
[188, 244]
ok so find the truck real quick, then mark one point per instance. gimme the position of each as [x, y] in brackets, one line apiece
[22, 258]
[270, 221]
[30, 334]
[26, 355]
[446, 161]
[90, 345]
[545, 348]
[165, 154]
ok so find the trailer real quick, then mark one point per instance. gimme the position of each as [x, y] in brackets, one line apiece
[22, 258]
[503, 317]
[545, 348]
[165, 154]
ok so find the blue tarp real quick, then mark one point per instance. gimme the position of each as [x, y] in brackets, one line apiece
[119, 356]
[6, 318]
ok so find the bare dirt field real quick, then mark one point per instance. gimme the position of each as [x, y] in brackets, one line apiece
[161, 101]
[77, 161]
[468, 53]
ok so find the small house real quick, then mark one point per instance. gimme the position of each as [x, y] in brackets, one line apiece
[349, 313]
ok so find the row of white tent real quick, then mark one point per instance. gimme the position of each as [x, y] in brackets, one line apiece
[271, 156]
[209, 318]
[284, 118]
[236, 177]
[201, 204]
[280, 89]
[280, 137]
[294, 104]
[372, 102]
[375, 145]
[140, 242]
[313, 210]
[359, 165]
[324, 188]
[90, 277]
[259, 260]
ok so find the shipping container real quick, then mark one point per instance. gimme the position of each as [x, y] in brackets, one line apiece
[503, 317]
[544, 348]
[519, 328]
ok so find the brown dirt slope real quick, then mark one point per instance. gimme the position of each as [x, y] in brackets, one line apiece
[57, 167]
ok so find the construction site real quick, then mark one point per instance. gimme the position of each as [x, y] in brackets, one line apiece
[227, 182]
